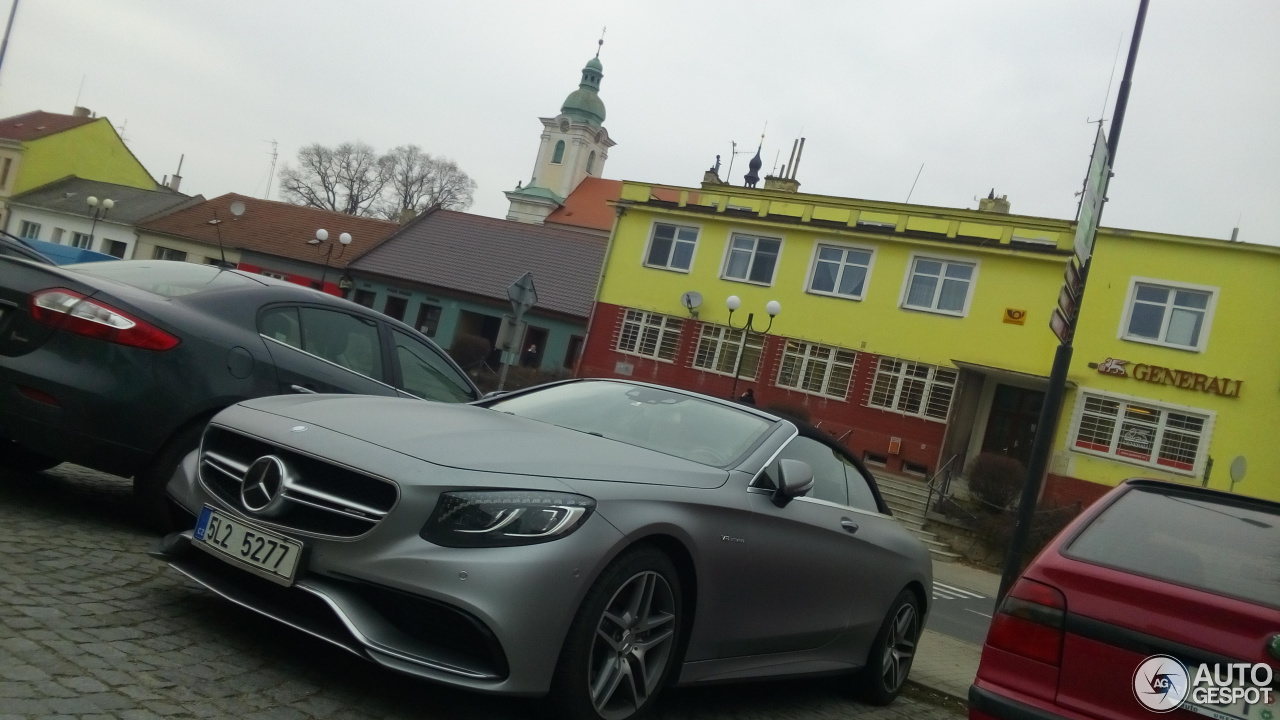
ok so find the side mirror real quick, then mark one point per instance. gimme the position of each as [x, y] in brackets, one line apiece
[795, 478]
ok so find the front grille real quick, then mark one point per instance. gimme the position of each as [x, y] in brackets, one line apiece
[320, 497]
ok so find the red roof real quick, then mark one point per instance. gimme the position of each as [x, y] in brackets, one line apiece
[271, 227]
[587, 206]
[37, 124]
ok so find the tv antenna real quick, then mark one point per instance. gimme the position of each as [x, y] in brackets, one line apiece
[271, 174]
[734, 152]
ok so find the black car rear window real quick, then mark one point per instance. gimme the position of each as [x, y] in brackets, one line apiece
[170, 279]
[1224, 547]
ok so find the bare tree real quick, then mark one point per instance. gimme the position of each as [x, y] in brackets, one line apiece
[418, 181]
[349, 178]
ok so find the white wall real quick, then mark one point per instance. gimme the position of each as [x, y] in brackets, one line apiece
[50, 222]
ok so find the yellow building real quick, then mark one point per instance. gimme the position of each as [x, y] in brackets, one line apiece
[38, 147]
[919, 335]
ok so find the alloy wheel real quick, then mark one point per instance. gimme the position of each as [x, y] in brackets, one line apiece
[900, 647]
[632, 646]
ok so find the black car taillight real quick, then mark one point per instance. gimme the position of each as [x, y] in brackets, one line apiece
[71, 311]
[1030, 622]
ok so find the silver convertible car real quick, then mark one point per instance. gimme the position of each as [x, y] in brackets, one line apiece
[591, 540]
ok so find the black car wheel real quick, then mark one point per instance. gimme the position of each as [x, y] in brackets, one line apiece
[621, 646]
[17, 457]
[149, 484]
[889, 660]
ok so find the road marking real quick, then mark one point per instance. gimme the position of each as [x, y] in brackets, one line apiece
[975, 612]
[943, 591]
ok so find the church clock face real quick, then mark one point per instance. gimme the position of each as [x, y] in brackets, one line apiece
[564, 126]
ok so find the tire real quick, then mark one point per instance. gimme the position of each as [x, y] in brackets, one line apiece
[622, 645]
[891, 654]
[150, 482]
[16, 457]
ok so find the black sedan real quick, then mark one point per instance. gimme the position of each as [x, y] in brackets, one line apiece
[119, 366]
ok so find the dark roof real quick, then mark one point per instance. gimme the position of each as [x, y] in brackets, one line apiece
[588, 205]
[132, 204]
[271, 227]
[482, 256]
[37, 124]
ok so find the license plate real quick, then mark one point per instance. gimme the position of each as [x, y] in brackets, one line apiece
[1240, 710]
[260, 551]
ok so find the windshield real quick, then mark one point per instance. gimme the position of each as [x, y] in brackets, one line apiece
[170, 279]
[653, 418]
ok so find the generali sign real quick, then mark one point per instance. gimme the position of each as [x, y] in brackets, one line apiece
[1158, 375]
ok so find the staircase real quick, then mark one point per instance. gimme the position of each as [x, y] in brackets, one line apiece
[907, 499]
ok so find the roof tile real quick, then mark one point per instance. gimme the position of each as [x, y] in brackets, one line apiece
[37, 124]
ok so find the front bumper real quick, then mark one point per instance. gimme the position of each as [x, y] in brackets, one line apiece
[487, 619]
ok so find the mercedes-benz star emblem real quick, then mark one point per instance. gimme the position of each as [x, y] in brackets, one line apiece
[264, 482]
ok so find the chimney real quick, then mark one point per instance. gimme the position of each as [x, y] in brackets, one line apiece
[406, 216]
[993, 204]
[175, 179]
[80, 111]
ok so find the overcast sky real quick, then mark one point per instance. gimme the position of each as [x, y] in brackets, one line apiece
[984, 94]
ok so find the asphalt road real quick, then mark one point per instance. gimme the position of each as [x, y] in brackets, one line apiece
[960, 612]
[90, 626]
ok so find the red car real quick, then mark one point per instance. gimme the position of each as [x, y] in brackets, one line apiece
[1131, 610]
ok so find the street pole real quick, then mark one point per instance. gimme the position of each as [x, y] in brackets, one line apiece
[8, 28]
[1052, 408]
[737, 365]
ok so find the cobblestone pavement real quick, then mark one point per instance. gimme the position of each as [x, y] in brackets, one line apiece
[91, 627]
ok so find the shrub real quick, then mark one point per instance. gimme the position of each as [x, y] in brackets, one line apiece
[995, 480]
[789, 411]
[469, 351]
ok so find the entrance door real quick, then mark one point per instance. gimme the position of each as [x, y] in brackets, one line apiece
[1011, 427]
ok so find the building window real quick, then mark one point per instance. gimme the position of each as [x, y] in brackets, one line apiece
[81, 240]
[164, 253]
[1171, 315]
[840, 271]
[365, 298]
[913, 388]
[276, 275]
[4, 172]
[942, 286]
[572, 352]
[557, 157]
[752, 259]
[57, 235]
[395, 307]
[30, 230]
[718, 348]
[115, 248]
[591, 162]
[650, 335]
[429, 319]
[1141, 432]
[816, 369]
[671, 247]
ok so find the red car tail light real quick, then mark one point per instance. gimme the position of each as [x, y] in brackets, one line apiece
[1030, 622]
[71, 311]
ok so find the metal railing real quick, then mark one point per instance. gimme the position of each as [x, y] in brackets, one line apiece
[940, 483]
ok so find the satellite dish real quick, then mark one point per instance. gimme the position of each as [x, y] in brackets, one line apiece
[691, 300]
[237, 208]
[1238, 468]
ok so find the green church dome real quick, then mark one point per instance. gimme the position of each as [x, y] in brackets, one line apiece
[585, 103]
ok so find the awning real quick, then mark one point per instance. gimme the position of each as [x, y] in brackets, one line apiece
[998, 373]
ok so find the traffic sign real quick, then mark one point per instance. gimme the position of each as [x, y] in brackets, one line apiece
[1074, 279]
[1095, 193]
[1067, 303]
[523, 295]
[1060, 326]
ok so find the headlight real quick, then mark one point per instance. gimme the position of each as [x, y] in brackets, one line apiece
[497, 518]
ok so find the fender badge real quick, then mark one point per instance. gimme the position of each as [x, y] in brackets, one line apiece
[299, 428]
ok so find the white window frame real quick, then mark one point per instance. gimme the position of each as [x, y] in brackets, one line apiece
[77, 237]
[1134, 282]
[644, 259]
[160, 252]
[813, 267]
[728, 253]
[666, 325]
[807, 356]
[1202, 450]
[28, 225]
[945, 259]
[719, 337]
[900, 375]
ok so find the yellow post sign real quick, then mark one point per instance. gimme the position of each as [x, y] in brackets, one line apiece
[1014, 316]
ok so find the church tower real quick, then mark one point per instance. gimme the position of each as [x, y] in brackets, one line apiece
[575, 146]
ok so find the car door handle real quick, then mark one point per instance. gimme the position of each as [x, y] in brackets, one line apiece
[849, 525]
[302, 389]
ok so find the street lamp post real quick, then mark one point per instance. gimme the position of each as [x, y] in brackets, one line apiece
[100, 209]
[322, 236]
[733, 302]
